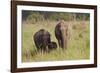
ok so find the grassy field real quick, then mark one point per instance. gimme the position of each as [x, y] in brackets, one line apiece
[78, 45]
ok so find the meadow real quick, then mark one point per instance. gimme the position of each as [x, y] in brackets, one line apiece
[78, 43]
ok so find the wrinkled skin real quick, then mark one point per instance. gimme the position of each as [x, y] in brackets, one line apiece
[61, 33]
[42, 39]
[52, 45]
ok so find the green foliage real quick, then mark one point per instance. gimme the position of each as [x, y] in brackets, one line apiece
[82, 16]
[60, 16]
[35, 16]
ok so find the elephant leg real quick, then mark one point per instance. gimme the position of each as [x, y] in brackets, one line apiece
[62, 43]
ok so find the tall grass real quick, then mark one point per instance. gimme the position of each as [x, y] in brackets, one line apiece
[78, 43]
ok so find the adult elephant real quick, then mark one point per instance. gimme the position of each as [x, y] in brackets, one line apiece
[42, 39]
[61, 33]
[43, 42]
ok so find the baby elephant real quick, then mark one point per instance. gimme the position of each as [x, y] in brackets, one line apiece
[52, 45]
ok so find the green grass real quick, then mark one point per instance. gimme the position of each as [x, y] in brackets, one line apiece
[78, 45]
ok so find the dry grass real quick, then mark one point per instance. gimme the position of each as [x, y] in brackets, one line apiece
[78, 45]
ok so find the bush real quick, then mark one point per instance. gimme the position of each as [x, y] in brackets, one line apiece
[60, 16]
[34, 17]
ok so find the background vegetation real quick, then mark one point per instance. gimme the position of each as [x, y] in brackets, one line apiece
[35, 16]
[78, 43]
